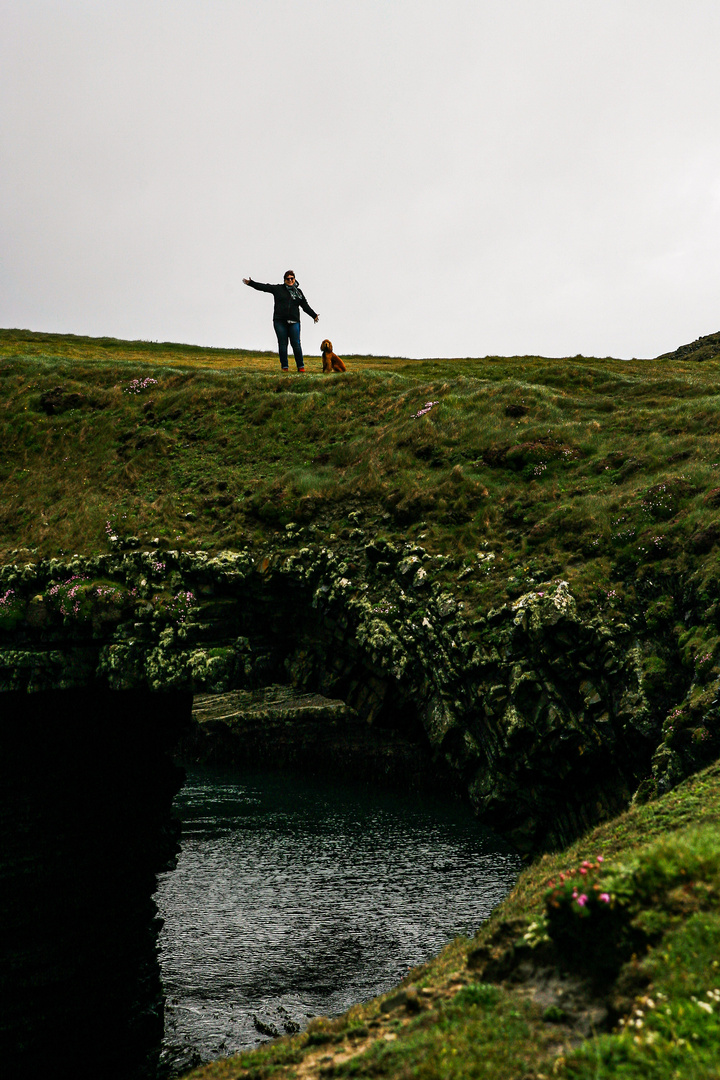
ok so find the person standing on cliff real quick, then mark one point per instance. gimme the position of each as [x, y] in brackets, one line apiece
[289, 298]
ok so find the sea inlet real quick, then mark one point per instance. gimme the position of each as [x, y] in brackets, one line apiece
[295, 898]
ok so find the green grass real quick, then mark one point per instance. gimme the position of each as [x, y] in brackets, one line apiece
[602, 471]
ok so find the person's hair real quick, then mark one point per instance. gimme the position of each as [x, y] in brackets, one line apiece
[289, 272]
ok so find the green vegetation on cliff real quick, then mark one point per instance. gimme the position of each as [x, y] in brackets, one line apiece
[603, 471]
[525, 470]
[558, 519]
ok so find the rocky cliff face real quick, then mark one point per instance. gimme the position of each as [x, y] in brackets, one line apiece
[279, 726]
[547, 719]
[86, 789]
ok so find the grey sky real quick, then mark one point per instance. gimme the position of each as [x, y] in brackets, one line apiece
[446, 177]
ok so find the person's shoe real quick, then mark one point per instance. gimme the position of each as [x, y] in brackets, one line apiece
[284, 370]
[301, 371]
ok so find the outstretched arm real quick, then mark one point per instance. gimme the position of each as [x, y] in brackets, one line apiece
[257, 285]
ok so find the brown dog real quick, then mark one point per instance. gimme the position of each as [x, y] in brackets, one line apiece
[331, 362]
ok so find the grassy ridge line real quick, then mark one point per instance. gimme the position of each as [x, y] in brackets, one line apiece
[529, 1014]
[79, 346]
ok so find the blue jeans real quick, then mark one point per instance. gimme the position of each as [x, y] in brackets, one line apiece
[291, 331]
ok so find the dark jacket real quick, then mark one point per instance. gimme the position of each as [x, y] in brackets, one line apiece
[287, 309]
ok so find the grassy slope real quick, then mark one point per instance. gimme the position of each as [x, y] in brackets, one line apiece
[602, 471]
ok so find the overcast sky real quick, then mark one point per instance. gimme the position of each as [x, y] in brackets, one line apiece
[446, 177]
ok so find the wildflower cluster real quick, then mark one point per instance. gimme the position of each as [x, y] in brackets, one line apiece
[704, 664]
[587, 919]
[687, 724]
[671, 720]
[634, 1025]
[537, 932]
[425, 409]
[79, 598]
[643, 1006]
[579, 889]
[68, 594]
[707, 1006]
[11, 609]
[113, 532]
[623, 531]
[384, 608]
[660, 502]
[175, 607]
[136, 386]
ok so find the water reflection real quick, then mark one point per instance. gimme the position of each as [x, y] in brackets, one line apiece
[297, 898]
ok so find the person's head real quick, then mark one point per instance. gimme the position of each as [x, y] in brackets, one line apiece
[289, 277]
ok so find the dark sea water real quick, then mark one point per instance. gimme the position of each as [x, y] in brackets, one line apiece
[296, 898]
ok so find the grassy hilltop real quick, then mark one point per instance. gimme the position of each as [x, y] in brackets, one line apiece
[604, 472]
[601, 472]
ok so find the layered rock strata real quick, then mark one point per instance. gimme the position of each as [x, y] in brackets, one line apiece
[279, 727]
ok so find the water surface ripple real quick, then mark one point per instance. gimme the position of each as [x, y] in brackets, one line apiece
[296, 898]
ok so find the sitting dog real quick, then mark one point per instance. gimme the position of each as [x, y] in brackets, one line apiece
[331, 362]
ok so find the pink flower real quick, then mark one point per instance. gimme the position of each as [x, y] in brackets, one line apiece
[605, 897]
[583, 870]
[582, 900]
[600, 858]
